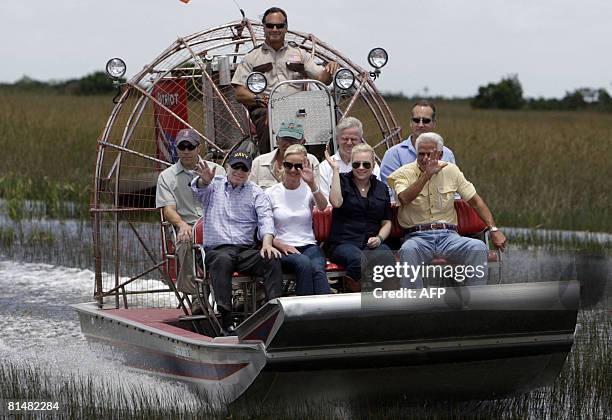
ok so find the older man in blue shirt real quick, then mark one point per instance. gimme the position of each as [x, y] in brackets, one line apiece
[234, 210]
[423, 120]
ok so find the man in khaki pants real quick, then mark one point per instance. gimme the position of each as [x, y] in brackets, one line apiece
[174, 196]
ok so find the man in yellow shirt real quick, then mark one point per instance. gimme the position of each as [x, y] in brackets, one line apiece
[425, 189]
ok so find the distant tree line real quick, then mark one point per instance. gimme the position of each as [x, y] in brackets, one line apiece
[505, 94]
[92, 84]
[508, 94]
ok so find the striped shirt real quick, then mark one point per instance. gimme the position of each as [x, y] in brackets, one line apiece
[232, 215]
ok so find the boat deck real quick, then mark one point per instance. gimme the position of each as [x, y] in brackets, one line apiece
[166, 320]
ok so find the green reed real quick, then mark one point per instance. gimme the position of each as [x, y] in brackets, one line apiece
[539, 169]
[48, 144]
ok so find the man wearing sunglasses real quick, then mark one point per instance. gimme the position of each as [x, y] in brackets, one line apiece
[423, 119]
[267, 168]
[174, 196]
[349, 133]
[278, 60]
[426, 190]
[235, 209]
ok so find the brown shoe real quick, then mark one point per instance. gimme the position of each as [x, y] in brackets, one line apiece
[351, 285]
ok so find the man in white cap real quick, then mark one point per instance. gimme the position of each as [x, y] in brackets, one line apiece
[174, 196]
[267, 168]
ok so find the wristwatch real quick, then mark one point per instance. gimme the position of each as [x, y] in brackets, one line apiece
[493, 229]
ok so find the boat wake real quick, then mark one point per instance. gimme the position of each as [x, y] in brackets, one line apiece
[41, 334]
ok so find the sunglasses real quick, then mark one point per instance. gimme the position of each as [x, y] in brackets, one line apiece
[289, 166]
[366, 165]
[276, 25]
[421, 120]
[185, 145]
[239, 167]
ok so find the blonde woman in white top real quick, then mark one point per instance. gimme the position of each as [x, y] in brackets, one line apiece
[292, 204]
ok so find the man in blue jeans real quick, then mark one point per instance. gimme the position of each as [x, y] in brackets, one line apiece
[426, 188]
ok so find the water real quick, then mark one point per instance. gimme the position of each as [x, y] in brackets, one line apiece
[40, 330]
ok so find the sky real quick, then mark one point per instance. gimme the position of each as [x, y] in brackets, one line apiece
[444, 47]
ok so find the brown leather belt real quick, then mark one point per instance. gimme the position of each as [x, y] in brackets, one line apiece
[430, 226]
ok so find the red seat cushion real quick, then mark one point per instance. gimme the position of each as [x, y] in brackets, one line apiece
[199, 231]
[321, 223]
[469, 221]
[396, 230]
[330, 266]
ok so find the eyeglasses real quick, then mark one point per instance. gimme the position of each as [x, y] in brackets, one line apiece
[366, 165]
[353, 140]
[421, 120]
[239, 167]
[276, 25]
[185, 145]
[289, 166]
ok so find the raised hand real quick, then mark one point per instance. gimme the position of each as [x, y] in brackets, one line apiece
[332, 162]
[204, 171]
[307, 173]
[433, 166]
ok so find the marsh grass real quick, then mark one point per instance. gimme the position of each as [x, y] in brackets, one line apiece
[582, 390]
[597, 243]
[536, 169]
[65, 243]
[48, 145]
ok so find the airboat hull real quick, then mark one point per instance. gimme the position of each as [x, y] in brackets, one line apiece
[479, 341]
[149, 340]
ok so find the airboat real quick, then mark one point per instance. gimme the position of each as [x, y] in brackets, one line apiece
[475, 342]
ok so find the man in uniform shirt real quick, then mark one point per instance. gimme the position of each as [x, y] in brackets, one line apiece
[174, 196]
[426, 188]
[234, 210]
[278, 60]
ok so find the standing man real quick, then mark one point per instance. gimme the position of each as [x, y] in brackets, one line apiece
[267, 168]
[349, 132]
[278, 60]
[234, 210]
[174, 196]
[423, 119]
[426, 188]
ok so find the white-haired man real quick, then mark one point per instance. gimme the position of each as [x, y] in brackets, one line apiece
[425, 189]
[349, 133]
